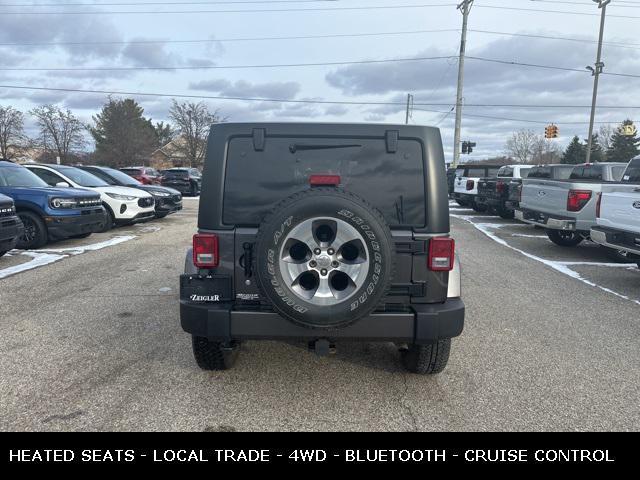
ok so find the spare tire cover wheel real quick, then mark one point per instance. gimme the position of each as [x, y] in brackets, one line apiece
[324, 258]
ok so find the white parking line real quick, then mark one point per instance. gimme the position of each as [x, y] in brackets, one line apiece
[562, 267]
[46, 256]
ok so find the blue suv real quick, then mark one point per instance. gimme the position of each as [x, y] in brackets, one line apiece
[49, 213]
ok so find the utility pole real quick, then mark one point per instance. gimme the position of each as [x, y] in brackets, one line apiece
[409, 105]
[465, 8]
[602, 4]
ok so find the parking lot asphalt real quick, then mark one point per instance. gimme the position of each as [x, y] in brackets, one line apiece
[91, 341]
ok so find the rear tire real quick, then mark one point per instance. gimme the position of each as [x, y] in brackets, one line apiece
[506, 214]
[478, 208]
[161, 215]
[427, 359]
[324, 258]
[211, 355]
[35, 231]
[564, 238]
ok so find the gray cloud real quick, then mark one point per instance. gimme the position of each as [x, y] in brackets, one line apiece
[489, 83]
[242, 88]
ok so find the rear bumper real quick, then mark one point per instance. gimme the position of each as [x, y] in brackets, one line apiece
[11, 229]
[69, 226]
[545, 220]
[424, 324]
[617, 239]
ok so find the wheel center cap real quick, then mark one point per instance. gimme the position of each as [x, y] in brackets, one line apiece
[324, 261]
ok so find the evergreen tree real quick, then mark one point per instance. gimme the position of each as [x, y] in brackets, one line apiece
[575, 153]
[597, 152]
[623, 148]
[123, 136]
[164, 133]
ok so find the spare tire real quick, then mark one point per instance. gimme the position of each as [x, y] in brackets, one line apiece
[324, 258]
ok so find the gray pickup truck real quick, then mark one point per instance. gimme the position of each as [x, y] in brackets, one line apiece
[565, 205]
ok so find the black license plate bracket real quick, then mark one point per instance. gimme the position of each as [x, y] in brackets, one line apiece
[205, 289]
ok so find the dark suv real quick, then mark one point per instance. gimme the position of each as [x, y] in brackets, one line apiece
[11, 228]
[187, 181]
[323, 232]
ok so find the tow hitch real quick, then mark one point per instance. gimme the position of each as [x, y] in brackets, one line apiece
[322, 347]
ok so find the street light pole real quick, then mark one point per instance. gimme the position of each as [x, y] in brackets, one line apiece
[599, 66]
[465, 8]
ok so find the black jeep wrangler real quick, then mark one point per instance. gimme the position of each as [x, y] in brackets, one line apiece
[323, 232]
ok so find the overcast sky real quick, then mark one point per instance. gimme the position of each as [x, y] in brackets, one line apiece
[430, 81]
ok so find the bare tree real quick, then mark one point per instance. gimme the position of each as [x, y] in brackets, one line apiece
[193, 121]
[605, 135]
[59, 129]
[520, 145]
[545, 151]
[12, 137]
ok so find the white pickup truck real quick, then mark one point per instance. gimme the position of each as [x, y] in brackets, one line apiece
[465, 187]
[618, 213]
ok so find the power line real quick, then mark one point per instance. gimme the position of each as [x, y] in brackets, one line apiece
[551, 37]
[223, 67]
[294, 101]
[314, 64]
[565, 12]
[261, 10]
[507, 119]
[240, 39]
[137, 4]
[564, 2]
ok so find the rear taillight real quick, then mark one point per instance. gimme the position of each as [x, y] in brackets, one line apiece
[577, 199]
[470, 184]
[324, 180]
[205, 250]
[598, 203]
[519, 193]
[441, 254]
[500, 187]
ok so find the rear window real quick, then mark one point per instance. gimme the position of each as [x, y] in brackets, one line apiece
[540, 172]
[591, 172]
[617, 172]
[506, 172]
[561, 173]
[632, 173]
[256, 181]
[175, 173]
[476, 172]
[131, 171]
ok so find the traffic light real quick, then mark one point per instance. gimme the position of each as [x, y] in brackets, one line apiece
[551, 131]
[467, 147]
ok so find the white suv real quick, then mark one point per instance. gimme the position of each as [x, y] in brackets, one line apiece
[124, 205]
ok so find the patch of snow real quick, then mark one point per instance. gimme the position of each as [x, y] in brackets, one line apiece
[80, 249]
[38, 260]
